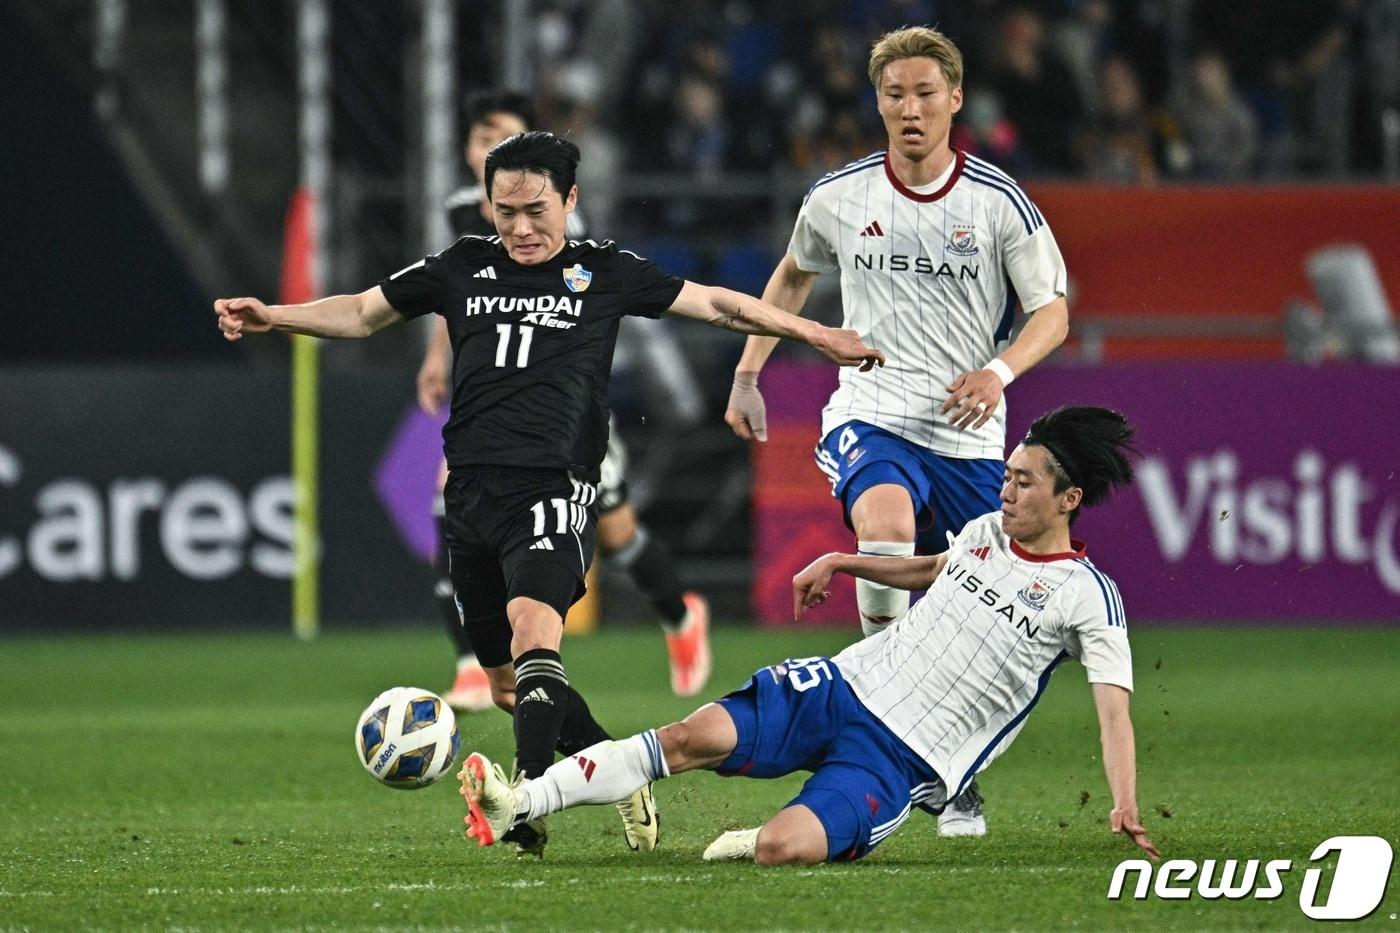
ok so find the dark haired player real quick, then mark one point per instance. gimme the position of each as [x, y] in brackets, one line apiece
[911, 714]
[492, 117]
[533, 318]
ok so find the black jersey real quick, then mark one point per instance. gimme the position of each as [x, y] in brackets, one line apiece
[532, 345]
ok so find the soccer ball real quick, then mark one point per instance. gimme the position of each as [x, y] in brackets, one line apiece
[407, 737]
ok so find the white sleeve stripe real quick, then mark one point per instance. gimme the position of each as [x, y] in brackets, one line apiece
[419, 264]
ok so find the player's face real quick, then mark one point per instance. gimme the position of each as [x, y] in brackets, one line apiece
[1030, 507]
[917, 106]
[530, 215]
[485, 133]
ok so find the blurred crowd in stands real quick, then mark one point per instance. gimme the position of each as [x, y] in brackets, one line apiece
[1112, 90]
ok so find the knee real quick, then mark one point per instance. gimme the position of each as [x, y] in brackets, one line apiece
[776, 847]
[687, 745]
[884, 513]
[883, 526]
[678, 742]
[533, 625]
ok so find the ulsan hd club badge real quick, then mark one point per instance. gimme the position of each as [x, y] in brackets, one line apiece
[577, 278]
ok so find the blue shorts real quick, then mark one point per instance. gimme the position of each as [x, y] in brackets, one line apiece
[948, 492]
[802, 716]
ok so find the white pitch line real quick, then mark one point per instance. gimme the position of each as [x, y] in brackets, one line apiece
[399, 887]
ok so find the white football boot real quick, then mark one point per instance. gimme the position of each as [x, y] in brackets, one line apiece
[733, 846]
[963, 816]
[641, 824]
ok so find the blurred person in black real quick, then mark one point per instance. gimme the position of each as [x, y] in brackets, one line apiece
[533, 318]
[1220, 130]
[1122, 142]
[624, 542]
[1037, 91]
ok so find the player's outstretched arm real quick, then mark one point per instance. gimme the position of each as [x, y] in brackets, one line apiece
[433, 390]
[810, 587]
[787, 288]
[1120, 763]
[973, 397]
[745, 314]
[338, 316]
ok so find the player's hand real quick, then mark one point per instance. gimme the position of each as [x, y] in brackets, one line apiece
[432, 382]
[1125, 820]
[972, 399]
[747, 414]
[845, 348]
[809, 586]
[239, 316]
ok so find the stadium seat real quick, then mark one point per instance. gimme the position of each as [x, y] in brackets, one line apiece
[745, 268]
[750, 51]
[676, 258]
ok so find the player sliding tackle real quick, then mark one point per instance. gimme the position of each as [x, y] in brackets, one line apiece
[533, 318]
[911, 714]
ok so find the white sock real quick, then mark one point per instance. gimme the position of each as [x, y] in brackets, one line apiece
[603, 773]
[880, 605]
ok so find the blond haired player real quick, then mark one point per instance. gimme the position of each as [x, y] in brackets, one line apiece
[935, 249]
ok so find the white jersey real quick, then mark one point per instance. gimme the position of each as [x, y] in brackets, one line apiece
[956, 675]
[930, 278]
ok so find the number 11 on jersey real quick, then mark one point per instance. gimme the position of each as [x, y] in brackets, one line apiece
[522, 354]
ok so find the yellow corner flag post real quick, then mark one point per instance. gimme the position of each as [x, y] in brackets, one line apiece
[306, 544]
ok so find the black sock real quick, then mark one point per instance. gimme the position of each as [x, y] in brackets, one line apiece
[650, 565]
[541, 703]
[580, 729]
[444, 596]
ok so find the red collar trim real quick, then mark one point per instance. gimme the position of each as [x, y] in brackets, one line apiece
[911, 194]
[1079, 551]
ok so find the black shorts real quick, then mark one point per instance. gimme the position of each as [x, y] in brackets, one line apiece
[511, 532]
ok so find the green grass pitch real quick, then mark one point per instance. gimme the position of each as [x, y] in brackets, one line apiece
[209, 782]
